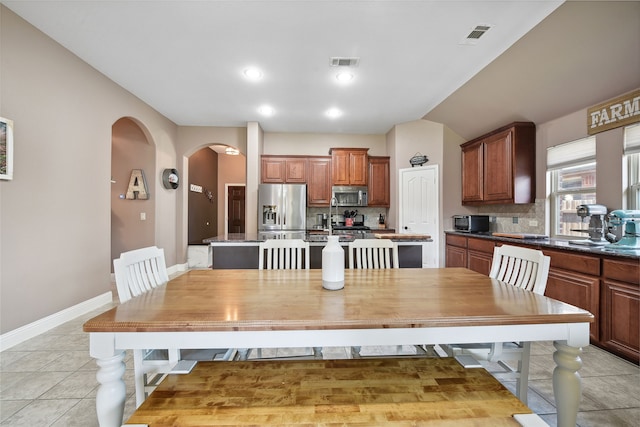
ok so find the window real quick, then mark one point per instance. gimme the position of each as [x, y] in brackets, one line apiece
[631, 161]
[571, 169]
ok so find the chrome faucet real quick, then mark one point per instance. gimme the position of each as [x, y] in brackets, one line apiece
[333, 199]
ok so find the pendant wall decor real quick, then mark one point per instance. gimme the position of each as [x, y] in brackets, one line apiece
[170, 179]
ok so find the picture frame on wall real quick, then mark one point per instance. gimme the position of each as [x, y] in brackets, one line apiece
[6, 148]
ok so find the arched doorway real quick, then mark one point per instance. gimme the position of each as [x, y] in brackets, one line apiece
[213, 170]
[132, 220]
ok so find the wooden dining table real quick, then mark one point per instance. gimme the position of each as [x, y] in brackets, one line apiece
[289, 308]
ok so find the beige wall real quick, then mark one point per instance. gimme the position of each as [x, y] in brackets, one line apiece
[191, 139]
[255, 148]
[130, 150]
[433, 140]
[231, 170]
[203, 210]
[419, 136]
[308, 144]
[609, 147]
[55, 249]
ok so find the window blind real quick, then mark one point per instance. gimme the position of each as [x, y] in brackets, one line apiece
[571, 153]
[632, 139]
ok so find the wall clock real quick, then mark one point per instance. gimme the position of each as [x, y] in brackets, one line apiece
[170, 179]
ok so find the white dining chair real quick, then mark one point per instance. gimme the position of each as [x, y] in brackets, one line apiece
[283, 254]
[136, 272]
[522, 268]
[373, 253]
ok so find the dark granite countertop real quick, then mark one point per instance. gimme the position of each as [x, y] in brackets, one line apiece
[311, 238]
[560, 244]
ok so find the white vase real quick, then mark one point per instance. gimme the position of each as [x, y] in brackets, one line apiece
[333, 264]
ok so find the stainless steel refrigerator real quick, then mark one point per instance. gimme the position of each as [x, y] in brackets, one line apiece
[282, 210]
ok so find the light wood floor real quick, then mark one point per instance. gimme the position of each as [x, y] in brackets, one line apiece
[50, 381]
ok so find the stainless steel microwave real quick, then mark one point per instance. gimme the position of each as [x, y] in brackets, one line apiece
[471, 223]
[349, 196]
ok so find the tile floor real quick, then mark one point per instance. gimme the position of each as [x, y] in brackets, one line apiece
[50, 381]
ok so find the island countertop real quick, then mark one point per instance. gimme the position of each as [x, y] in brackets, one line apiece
[313, 239]
[240, 250]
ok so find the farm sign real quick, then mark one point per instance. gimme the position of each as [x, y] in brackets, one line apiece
[620, 111]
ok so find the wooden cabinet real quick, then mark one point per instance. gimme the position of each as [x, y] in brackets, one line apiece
[456, 251]
[379, 192]
[480, 255]
[472, 253]
[620, 307]
[349, 166]
[472, 174]
[575, 279]
[318, 181]
[499, 167]
[284, 170]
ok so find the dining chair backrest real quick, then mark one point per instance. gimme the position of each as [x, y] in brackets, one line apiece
[373, 253]
[522, 267]
[283, 254]
[139, 271]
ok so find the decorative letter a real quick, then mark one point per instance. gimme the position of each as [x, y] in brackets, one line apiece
[137, 186]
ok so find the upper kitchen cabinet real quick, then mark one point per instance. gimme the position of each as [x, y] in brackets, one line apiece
[499, 167]
[349, 166]
[284, 170]
[379, 194]
[319, 181]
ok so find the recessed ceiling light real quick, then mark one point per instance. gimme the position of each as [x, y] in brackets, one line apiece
[231, 151]
[333, 113]
[252, 73]
[344, 77]
[266, 110]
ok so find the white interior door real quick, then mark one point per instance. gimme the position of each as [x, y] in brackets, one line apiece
[419, 209]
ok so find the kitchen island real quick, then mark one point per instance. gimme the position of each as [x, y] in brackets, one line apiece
[240, 250]
[604, 282]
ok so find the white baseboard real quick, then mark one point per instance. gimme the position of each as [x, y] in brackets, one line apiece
[177, 268]
[15, 337]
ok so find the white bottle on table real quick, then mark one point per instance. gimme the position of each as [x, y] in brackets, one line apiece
[333, 264]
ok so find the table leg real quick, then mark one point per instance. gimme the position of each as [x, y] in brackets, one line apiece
[567, 387]
[317, 352]
[111, 393]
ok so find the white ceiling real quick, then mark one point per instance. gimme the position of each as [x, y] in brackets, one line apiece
[185, 58]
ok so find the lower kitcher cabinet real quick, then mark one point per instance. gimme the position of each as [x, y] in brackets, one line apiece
[620, 308]
[456, 256]
[606, 286]
[620, 333]
[576, 289]
[456, 251]
[480, 255]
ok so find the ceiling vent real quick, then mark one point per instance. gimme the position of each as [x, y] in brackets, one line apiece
[475, 34]
[338, 61]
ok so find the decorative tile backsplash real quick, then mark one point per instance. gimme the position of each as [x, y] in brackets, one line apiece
[527, 218]
[371, 215]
